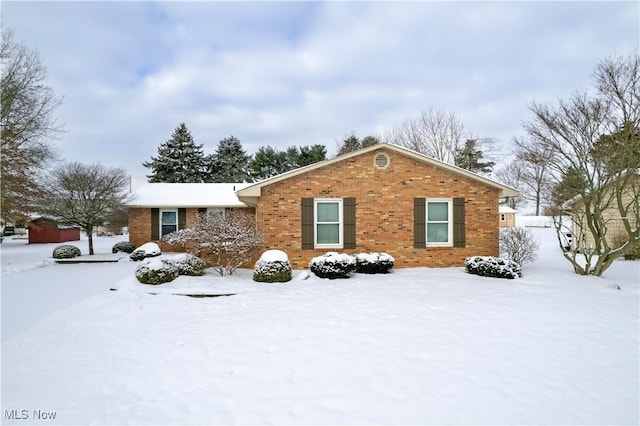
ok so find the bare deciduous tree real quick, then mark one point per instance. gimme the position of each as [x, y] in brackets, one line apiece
[535, 176]
[27, 122]
[225, 242]
[435, 133]
[597, 137]
[511, 175]
[85, 196]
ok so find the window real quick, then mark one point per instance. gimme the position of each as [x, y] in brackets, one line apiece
[439, 226]
[168, 221]
[215, 212]
[502, 217]
[328, 223]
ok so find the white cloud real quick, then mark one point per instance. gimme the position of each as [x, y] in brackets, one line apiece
[285, 73]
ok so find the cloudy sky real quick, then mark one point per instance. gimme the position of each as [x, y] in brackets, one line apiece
[303, 73]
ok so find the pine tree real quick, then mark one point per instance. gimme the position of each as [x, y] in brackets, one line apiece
[311, 154]
[267, 162]
[230, 163]
[470, 157]
[349, 144]
[179, 159]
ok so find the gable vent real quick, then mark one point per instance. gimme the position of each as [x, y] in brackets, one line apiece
[381, 161]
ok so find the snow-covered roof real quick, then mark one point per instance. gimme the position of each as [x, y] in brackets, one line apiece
[506, 209]
[187, 195]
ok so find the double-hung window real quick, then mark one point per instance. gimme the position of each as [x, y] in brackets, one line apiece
[168, 221]
[439, 222]
[328, 223]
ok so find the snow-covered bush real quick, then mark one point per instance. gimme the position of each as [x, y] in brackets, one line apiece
[123, 247]
[146, 250]
[188, 264]
[518, 245]
[156, 271]
[66, 251]
[226, 242]
[333, 265]
[374, 263]
[272, 267]
[488, 266]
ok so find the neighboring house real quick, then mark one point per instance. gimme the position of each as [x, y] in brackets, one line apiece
[45, 230]
[615, 232]
[507, 217]
[383, 198]
[161, 208]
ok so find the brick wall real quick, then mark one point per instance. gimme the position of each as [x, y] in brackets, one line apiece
[140, 231]
[384, 209]
[140, 228]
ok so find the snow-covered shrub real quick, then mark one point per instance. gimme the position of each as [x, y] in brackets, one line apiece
[123, 247]
[518, 244]
[188, 264]
[146, 250]
[374, 263]
[272, 267]
[156, 271]
[488, 266]
[226, 242]
[66, 251]
[333, 265]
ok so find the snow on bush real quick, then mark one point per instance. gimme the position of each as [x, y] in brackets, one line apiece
[146, 250]
[66, 251]
[488, 266]
[333, 265]
[156, 271]
[188, 264]
[374, 263]
[272, 267]
[518, 245]
[123, 247]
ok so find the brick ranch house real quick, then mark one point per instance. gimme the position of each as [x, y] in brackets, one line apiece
[383, 198]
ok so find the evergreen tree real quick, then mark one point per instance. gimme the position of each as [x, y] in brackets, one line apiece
[179, 159]
[267, 162]
[352, 143]
[349, 144]
[470, 157]
[230, 163]
[311, 154]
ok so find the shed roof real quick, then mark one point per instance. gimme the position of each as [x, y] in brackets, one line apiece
[187, 195]
[506, 209]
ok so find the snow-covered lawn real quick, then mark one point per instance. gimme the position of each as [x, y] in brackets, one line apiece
[418, 346]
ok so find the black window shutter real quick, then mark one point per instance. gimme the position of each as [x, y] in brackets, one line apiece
[419, 223]
[307, 224]
[349, 218]
[182, 218]
[155, 224]
[458, 222]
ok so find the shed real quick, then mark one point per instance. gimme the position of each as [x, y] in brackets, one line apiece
[45, 230]
[507, 217]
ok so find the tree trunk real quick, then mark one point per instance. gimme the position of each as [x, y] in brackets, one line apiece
[90, 236]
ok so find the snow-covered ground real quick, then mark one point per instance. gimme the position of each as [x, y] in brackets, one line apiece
[418, 346]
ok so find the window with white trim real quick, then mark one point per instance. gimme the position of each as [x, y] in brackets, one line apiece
[168, 221]
[328, 222]
[439, 222]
